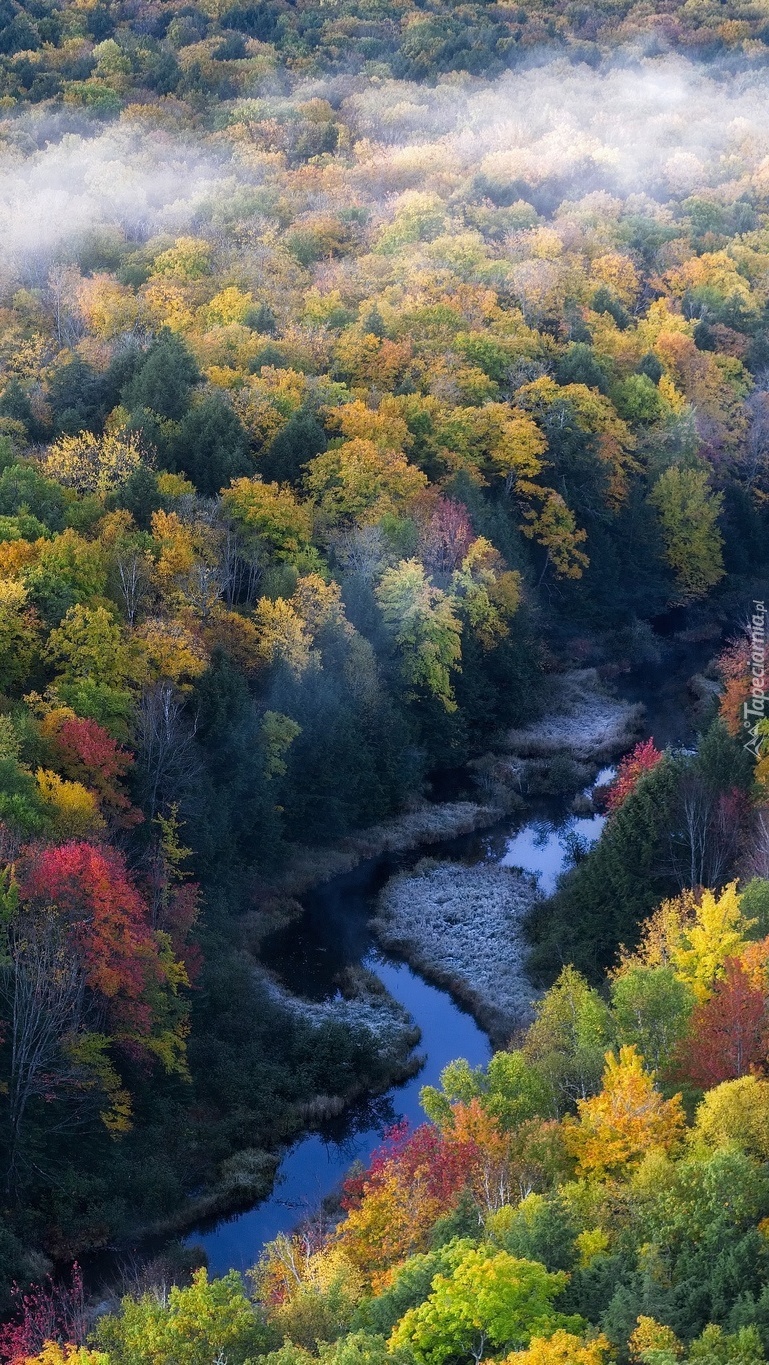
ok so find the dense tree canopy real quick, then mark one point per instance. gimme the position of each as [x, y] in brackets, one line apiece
[361, 366]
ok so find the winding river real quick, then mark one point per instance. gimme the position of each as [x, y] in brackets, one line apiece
[334, 933]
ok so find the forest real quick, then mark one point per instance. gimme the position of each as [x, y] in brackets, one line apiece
[364, 369]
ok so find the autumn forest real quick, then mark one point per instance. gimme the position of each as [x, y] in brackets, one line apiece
[375, 380]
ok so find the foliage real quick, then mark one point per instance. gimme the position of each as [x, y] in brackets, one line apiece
[194, 1325]
[424, 626]
[490, 1297]
[689, 514]
[627, 1119]
[318, 446]
[642, 759]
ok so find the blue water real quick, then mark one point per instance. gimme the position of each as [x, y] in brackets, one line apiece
[335, 929]
[544, 847]
[314, 1167]
[334, 933]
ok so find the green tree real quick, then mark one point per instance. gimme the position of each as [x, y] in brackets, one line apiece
[652, 1007]
[426, 631]
[20, 635]
[688, 513]
[164, 379]
[89, 645]
[512, 1088]
[567, 1041]
[410, 1286]
[211, 446]
[714, 1346]
[68, 570]
[300, 440]
[603, 900]
[208, 1321]
[490, 1302]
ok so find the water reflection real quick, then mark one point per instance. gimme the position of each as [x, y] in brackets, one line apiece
[545, 847]
[309, 955]
[313, 1169]
[333, 934]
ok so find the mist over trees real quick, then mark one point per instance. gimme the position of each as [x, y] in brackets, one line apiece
[360, 370]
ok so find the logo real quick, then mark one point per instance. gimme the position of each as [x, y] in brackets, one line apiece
[755, 709]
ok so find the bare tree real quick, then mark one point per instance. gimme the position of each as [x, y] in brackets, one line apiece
[362, 550]
[242, 566]
[165, 744]
[133, 581]
[757, 860]
[43, 985]
[204, 586]
[61, 296]
[705, 843]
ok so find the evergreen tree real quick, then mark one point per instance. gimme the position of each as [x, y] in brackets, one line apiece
[211, 446]
[164, 379]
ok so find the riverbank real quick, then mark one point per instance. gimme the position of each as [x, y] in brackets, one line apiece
[459, 926]
[333, 928]
[585, 722]
[362, 1006]
[362, 1003]
[276, 902]
[462, 928]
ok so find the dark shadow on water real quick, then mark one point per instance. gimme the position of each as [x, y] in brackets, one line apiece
[316, 1165]
[311, 954]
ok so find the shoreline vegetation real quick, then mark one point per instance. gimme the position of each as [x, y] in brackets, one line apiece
[448, 920]
[378, 392]
[431, 915]
[584, 722]
[248, 1176]
[426, 823]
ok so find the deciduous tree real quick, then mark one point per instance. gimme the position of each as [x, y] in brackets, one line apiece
[617, 1127]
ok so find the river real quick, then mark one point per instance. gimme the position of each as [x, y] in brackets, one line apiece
[334, 933]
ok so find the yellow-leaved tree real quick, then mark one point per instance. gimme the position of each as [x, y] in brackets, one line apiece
[616, 1128]
[716, 932]
[72, 809]
[93, 464]
[486, 592]
[695, 934]
[736, 1114]
[688, 512]
[52, 1353]
[362, 480]
[563, 1348]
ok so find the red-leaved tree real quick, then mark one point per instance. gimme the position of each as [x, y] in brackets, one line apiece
[413, 1179]
[87, 754]
[642, 759]
[107, 924]
[728, 1033]
[85, 977]
[52, 1311]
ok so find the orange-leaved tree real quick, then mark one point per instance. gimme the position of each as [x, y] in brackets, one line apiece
[411, 1182]
[617, 1127]
[728, 1034]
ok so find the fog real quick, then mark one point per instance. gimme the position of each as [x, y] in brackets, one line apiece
[661, 127]
[137, 180]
